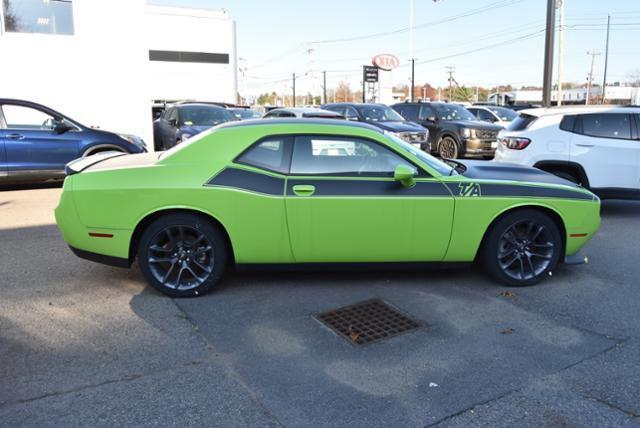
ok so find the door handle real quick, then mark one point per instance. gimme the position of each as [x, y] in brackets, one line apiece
[584, 145]
[304, 189]
[15, 137]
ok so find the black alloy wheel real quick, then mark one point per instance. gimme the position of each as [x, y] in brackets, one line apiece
[182, 255]
[522, 247]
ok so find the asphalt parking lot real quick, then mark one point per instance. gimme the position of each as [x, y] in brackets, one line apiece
[83, 344]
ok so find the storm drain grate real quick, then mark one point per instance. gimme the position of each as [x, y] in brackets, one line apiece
[367, 322]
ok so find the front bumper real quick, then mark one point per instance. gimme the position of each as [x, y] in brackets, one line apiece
[576, 259]
[478, 147]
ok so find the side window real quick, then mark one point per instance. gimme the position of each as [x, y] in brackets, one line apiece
[286, 114]
[474, 111]
[485, 116]
[426, 113]
[271, 153]
[327, 155]
[20, 117]
[410, 112]
[173, 114]
[606, 125]
[350, 113]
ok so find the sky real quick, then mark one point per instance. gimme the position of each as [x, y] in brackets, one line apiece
[489, 42]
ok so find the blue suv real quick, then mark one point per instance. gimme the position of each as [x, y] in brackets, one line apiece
[37, 142]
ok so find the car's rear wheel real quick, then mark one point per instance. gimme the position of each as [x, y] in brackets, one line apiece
[522, 247]
[182, 255]
[448, 148]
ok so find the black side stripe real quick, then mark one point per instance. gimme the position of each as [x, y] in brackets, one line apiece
[369, 188]
[515, 190]
[248, 180]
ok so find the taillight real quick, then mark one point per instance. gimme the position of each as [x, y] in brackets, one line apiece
[515, 143]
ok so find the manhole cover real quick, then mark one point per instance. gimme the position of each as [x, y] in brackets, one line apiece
[368, 321]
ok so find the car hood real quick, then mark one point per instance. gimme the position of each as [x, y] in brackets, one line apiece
[483, 170]
[398, 126]
[476, 124]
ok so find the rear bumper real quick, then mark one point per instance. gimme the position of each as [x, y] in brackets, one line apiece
[101, 258]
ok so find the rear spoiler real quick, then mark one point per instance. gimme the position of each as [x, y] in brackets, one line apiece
[81, 164]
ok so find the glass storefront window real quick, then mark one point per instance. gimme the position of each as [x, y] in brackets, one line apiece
[38, 16]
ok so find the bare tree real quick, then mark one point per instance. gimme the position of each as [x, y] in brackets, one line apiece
[634, 77]
[343, 93]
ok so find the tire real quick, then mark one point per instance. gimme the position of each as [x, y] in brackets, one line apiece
[448, 148]
[182, 255]
[521, 248]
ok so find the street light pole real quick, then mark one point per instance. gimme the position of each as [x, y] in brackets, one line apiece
[294, 90]
[606, 60]
[324, 87]
[548, 53]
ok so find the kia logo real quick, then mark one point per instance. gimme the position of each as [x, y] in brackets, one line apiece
[386, 61]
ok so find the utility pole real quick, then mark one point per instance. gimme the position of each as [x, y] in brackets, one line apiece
[606, 61]
[450, 70]
[590, 77]
[294, 89]
[548, 53]
[324, 87]
[560, 5]
[413, 75]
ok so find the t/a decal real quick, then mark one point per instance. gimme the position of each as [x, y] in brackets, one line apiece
[469, 189]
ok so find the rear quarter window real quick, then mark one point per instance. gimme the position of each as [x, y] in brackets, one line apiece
[521, 122]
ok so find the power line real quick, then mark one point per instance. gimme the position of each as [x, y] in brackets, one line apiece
[491, 6]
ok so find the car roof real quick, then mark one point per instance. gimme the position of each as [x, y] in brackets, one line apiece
[301, 121]
[355, 104]
[301, 110]
[189, 104]
[580, 109]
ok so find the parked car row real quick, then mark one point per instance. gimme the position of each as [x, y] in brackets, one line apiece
[595, 147]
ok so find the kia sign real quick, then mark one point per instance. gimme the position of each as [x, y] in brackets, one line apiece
[386, 62]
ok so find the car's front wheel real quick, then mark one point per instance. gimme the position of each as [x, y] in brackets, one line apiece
[182, 255]
[522, 247]
[448, 148]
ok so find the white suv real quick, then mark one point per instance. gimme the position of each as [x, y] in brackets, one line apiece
[597, 147]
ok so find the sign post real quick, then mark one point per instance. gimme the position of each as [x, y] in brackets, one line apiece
[369, 75]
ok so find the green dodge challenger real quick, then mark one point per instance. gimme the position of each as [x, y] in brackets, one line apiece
[316, 192]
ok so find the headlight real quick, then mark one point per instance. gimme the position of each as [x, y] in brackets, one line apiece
[132, 139]
[466, 132]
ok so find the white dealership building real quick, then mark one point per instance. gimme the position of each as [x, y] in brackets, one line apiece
[105, 62]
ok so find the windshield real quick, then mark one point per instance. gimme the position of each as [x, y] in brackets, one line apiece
[504, 114]
[434, 163]
[204, 115]
[380, 114]
[246, 114]
[452, 112]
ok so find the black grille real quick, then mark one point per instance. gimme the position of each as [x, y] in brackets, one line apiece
[486, 135]
[367, 322]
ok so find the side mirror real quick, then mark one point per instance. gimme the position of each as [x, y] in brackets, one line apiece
[431, 118]
[405, 175]
[60, 127]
